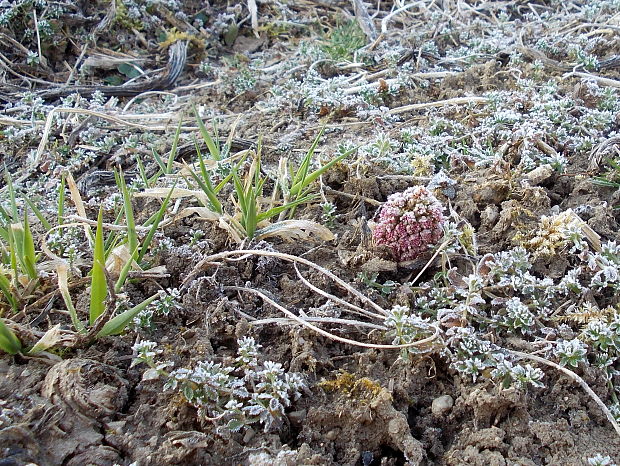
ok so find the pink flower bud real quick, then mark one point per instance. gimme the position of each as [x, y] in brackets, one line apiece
[409, 223]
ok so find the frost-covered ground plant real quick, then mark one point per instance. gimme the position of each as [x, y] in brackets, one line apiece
[235, 396]
[405, 328]
[503, 298]
[410, 223]
[600, 460]
[166, 303]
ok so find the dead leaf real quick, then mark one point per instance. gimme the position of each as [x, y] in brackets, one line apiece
[254, 16]
[119, 256]
[51, 338]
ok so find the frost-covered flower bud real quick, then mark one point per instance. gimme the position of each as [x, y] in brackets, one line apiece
[409, 223]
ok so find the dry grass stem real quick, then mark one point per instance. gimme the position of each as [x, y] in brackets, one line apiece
[577, 379]
[329, 335]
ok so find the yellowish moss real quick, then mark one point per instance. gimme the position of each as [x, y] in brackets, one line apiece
[468, 239]
[422, 165]
[587, 312]
[124, 20]
[174, 36]
[551, 236]
[348, 384]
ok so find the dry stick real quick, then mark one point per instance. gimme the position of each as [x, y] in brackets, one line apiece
[50, 118]
[355, 197]
[385, 21]
[108, 226]
[596, 156]
[328, 320]
[600, 80]
[577, 379]
[209, 260]
[336, 299]
[430, 261]
[150, 93]
[54, 111]
[391, 81]
[328, 334]
[439, 103]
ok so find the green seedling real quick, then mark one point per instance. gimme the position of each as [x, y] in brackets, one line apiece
[137, 250]
[167, 166]
[20, 257]
[98, 282]
[212, 144]
[61, 200]
[5, 288]
[132, 235]
[297, 185]
[117, 324]
[203, 178]
[206, 185]
[154, 222]
[610, 179]
[9, 343]
[370, 279]
[248, 195]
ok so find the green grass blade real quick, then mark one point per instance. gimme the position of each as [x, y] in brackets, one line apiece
[113, 237]
[276, 210]
[117, 324]
[5, 288]
[159, 160]
[38, 214]
[98, 284]
[29, 255]
[605, 182]
[122, 276]
[6, 217]
[214, 203]
[132, 235]
[62, 271]
[222, 183]
[251, 215]
[142, 171]
[9, 343]
[61, 200]
[205, 182]
[240, 191]
[228, 177]
[298, 187]
[13, 202]
[173, 151]
[304, 167]
[244, 199]
[149, 237]
[214, 148]
[13, 253]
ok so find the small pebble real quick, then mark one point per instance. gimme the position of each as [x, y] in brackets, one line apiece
[332, 435]
[249, 435]
[297, 417]
[442, 405]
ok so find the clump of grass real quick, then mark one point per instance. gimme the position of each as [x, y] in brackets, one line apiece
[343, 41]
[252, 214]
[19, 276]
